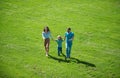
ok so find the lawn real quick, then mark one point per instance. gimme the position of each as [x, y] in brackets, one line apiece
[96, 46]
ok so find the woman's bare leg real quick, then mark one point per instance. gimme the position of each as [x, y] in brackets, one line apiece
[46, 45]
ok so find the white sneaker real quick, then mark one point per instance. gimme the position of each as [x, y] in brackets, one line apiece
[46, 54]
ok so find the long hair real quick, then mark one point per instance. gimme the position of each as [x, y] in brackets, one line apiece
[46, 27]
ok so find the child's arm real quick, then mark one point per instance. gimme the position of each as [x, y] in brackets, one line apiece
[55, 40]
[62, 40]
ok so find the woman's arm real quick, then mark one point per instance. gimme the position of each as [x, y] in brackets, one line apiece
[43, 35]
[50, 36]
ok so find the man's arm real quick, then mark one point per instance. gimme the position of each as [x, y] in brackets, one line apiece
[65, 37]
[72, 38]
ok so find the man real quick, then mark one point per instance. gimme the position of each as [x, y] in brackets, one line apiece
[69, 36]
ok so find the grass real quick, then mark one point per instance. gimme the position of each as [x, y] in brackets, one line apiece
[95, 51]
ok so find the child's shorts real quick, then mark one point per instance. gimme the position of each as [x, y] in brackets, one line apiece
[60, 49]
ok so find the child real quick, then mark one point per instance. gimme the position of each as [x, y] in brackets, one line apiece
[59, 42]
[69, 36]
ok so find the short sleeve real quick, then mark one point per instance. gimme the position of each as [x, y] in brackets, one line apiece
[43, 35]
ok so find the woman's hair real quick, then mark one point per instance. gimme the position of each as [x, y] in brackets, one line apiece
[46, 27]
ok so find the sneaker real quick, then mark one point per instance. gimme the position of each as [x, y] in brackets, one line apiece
[46, 54]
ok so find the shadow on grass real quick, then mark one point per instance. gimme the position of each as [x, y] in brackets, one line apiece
[72, 59]
[58, 59]
[82, 62]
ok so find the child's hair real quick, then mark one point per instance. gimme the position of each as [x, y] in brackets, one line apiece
[59, 37]
[46, 27]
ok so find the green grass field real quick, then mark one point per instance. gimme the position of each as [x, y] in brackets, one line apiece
[96, 46]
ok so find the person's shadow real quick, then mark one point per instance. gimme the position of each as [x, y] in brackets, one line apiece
[72, 59]
[58, 59]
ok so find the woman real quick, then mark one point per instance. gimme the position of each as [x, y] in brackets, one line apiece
[46, 37]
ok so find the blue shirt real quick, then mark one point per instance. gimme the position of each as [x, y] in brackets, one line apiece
[69, 36]
[59, 42]
[46, 35]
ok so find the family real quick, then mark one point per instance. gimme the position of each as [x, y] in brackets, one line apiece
[68, 38]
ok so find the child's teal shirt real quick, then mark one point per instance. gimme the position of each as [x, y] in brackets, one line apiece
[59, 42]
